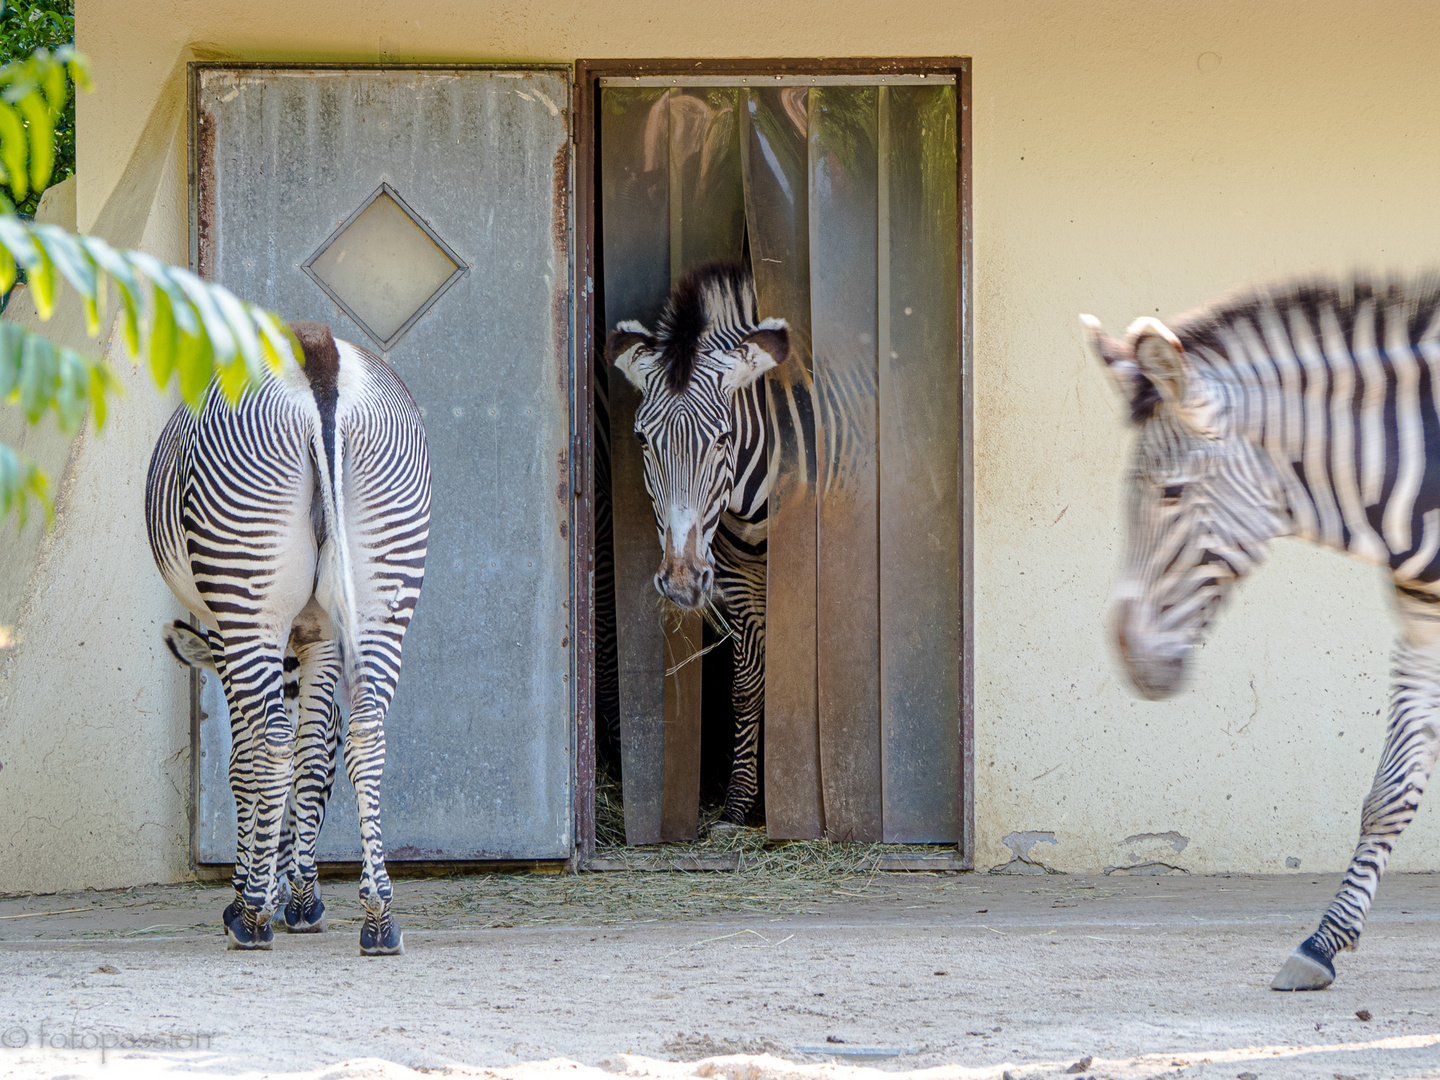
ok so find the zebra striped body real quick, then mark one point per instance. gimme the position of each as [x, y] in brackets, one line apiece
[296, 524]
[704, 427]
[1308, 410]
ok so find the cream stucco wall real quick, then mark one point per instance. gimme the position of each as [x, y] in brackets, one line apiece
[1130, 158]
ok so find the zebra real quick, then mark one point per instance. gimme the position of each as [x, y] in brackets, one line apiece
[295, 523]
[1302, 409]
[704, 428]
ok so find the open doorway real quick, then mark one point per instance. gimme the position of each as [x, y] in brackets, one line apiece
[843, 187]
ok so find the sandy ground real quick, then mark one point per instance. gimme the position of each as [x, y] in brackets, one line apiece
[730, 977]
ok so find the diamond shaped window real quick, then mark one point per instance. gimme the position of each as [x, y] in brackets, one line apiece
[384, 266]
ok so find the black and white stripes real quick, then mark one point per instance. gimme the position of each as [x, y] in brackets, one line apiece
[705, 430]
[294, 526]
[1310, 410]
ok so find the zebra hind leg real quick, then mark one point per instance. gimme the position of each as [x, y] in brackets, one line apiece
[364, 763]
[1411, 743]
[315, 739]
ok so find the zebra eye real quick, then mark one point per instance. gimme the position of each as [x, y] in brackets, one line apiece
[640, 438]
[1171, 495]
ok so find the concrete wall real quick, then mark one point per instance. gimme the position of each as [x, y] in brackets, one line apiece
[94, 713]
[1130, 158]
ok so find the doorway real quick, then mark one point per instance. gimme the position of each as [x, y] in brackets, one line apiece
[845, 185]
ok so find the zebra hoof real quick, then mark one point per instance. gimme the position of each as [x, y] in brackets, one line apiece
[249, 931]
[305, 913]
[309, 920]
[379, 936]
[230, 914]
[1307, 968]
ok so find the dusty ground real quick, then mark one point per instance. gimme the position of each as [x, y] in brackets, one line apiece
[531, 976]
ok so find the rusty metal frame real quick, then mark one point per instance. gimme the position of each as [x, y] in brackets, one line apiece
[586, 137]
[582, 658]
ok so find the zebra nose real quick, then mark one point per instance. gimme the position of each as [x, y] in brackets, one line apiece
[1154, 674]
[707, 580]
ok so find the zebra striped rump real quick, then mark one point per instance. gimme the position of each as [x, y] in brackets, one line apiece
[1308, 409]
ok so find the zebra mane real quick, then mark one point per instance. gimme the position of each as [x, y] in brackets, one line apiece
[711, 304]
[1205, 328]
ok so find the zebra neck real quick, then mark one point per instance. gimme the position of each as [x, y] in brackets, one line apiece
[1345, 435]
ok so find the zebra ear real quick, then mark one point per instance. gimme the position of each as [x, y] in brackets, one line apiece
[1117, 357]
[1162, 360]
[631, 349]
[758, 352]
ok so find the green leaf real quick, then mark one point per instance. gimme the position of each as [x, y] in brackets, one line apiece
[113, 263]
[164, 341]
[17, 240]
[102, 383]
[196, 361]
[70, 258]
[238, 321]
[20, 481]
[37, 376]
[13, 150]
[7, 270]
[12, 341]
[204, 299]
[277, 339]
[41, 123]
[44, 281]
[161, 277]
[72, 389]
[233, 379]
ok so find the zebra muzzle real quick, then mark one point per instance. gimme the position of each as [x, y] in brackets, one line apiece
[1156, 670]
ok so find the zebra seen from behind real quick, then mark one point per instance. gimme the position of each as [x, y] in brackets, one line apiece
[296, 524]
[1309, 410]
[703, 424]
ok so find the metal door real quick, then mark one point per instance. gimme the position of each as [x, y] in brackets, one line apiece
[424, 214]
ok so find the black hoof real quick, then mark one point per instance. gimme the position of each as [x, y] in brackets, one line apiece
[249, 930]
[1307, 968]
[379, 936]
[305, 912]
[230, 914]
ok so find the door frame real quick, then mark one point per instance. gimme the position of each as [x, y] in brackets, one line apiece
[588, 339]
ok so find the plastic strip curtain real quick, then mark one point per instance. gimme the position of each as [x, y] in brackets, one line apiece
[671, 199]
[849, 196]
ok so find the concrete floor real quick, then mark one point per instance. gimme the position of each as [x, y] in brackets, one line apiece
[960, 975]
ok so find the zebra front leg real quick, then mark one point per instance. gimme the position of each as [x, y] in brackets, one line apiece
[1411, 742]
[315, 741]
[747, 607]
[364, 764]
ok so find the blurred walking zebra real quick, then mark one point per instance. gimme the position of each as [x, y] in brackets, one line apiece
[1304, 410]
[704, 428]
[295, 524]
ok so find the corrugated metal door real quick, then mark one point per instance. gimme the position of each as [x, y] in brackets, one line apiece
[424, 214]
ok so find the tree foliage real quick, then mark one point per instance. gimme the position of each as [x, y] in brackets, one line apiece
[26, 27]
[192, 332]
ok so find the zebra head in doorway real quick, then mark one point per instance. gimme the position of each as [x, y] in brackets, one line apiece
[702, 417]
[1202, 500]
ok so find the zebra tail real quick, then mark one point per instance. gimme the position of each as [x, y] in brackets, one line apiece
[335, 585]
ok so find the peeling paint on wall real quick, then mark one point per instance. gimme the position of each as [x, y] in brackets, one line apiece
[1022, 844]
[1149, 854]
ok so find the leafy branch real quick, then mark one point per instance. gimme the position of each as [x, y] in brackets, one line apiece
[192, 332]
